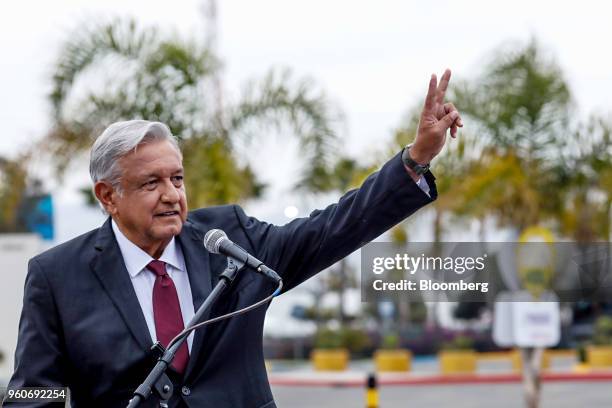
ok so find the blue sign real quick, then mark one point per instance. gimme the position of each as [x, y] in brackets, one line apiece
[37, 215]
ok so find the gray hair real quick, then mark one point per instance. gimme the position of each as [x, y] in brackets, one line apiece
[120, 139]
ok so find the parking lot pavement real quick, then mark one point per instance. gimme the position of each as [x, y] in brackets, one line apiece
[554, 395]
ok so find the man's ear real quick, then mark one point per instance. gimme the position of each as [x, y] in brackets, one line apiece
[106, 194]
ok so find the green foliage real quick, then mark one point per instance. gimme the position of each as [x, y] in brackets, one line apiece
[521, 102]
[418, 312]
[120, 71]
[327, 339]
[344, 174]
[516, 113]
[603, 331]
[390, 341]
[581, 351]
[89, 196]
[520, 107]
[355, 340]
[586, 213]
[337, 280]
[13, 179]
[501, 186]
[210, 179]
[399, 234]
[307, 111]
[460, 342]
[319, 314]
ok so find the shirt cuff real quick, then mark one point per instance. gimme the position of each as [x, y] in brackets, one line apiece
[422, 183]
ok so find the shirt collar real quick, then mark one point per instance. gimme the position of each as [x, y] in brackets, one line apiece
[136, 259]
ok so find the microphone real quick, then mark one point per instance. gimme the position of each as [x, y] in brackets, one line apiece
[217, 242]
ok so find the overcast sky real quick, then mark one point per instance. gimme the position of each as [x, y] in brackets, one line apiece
[373, 59]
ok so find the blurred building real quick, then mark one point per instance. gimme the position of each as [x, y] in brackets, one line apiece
[15, 251]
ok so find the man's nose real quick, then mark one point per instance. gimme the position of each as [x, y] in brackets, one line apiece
[169, 193]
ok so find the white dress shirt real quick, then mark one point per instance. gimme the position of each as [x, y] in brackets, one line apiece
[423, 185]
[136, 260]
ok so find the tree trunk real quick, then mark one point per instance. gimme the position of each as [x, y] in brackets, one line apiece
[341, 292]
[432, 311]
[607, 237]
[532, 363]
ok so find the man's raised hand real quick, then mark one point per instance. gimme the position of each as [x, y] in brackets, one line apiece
[436, 118]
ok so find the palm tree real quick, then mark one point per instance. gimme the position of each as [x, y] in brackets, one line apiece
[345, 174]
[13, 183]
[119, 71]
[586, 215]
[520, 108]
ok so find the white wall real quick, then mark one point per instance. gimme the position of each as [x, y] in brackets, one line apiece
[15, 251]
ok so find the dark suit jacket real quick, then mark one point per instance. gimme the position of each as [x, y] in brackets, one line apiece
[82, 326]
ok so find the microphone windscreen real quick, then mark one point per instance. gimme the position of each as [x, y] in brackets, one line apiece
[213, 239]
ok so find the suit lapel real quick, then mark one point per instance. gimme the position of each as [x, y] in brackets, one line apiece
[198, 269]
[110, 269]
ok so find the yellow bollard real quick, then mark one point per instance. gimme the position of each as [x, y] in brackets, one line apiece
[371, 392]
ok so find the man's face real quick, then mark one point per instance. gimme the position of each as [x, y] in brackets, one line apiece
[152, 205]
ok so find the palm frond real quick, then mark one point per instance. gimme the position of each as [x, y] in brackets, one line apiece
[277, 102]
[120, 38]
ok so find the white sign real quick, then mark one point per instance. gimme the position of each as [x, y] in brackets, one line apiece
[524, 323]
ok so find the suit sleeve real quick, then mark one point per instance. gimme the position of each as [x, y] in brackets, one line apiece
[39, 360]
[305, 246]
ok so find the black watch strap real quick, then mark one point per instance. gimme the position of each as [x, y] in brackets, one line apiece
[411, 164]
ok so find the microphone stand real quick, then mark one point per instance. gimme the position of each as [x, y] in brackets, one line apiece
[157, 382]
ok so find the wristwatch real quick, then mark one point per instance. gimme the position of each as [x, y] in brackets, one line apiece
[419, 169]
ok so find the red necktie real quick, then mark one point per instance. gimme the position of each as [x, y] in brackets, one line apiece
[167, 313]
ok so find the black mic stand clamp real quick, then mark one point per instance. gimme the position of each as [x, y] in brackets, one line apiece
[157, 382]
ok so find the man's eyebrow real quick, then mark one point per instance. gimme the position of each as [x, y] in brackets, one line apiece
[157, 175]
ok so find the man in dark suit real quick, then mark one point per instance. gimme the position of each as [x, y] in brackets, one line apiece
[93, 306]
